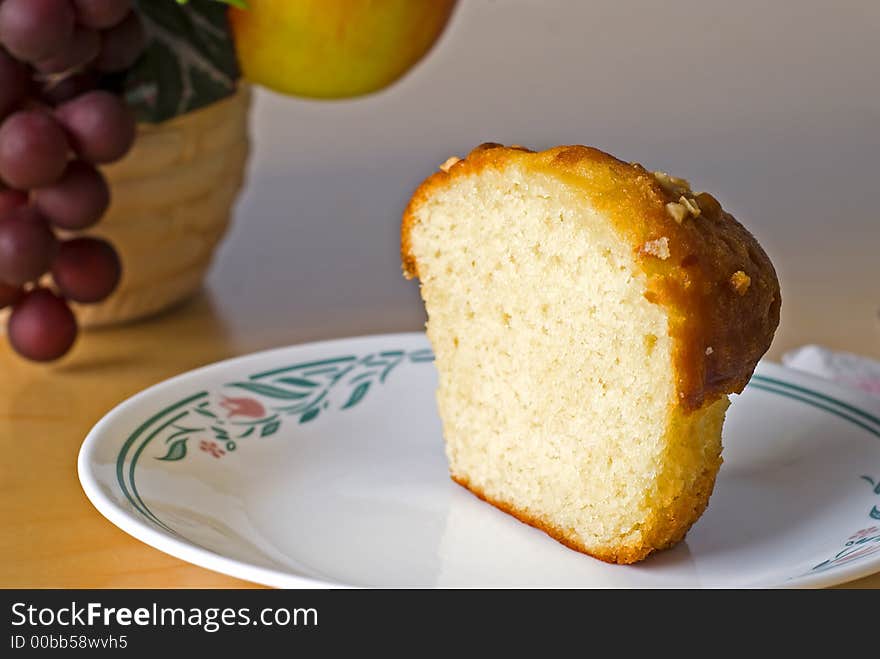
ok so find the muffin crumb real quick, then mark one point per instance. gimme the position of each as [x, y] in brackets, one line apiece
[448, 163]
[676, 211]
[740, 282]
[672, 184]
[690, 205]
[658, 248]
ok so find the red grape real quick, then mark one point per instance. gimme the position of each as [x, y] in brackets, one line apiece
[14, 83]
[35, 30]
[33, 149]
[9, 295]
[42, 327]
[82, 49]
[10, 199]
[27, 246]
[57, 92]
[99, 124]
[101, 14]
[121, 45]
[77, 200]
[86, 270]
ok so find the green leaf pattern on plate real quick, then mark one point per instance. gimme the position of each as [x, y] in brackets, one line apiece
[256, 408]
[177, 451]
[218, 421]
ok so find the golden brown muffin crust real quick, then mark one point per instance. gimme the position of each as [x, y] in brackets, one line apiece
[716, 282]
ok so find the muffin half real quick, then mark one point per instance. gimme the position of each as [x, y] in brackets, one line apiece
[589, 319]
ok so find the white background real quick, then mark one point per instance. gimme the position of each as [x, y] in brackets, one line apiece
[772, 106]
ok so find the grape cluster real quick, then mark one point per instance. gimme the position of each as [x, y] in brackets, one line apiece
[56, 125]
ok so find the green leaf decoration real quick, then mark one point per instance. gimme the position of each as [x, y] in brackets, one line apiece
[298, 382]
[177, 451]
[269, 391]
[270, 428]
[875, 513]
[203, 412]
[181, 432]
[189, 62]
[359, 392]
[871, 482]
[308, 416]
[418, 356]
[247, 433]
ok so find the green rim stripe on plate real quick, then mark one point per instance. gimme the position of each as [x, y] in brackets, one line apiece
[855, 410]
[137, 454]
[139, 505]
[821, 406]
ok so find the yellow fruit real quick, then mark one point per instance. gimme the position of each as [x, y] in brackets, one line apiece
[334, 48]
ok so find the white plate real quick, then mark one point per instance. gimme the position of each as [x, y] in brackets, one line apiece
[323, 465]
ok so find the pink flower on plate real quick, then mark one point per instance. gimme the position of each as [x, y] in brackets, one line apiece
[212, 447]
[247, 407]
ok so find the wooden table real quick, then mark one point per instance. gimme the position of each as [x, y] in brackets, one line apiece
[52, 536]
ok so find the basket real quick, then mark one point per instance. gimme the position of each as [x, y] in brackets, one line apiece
[172, 200]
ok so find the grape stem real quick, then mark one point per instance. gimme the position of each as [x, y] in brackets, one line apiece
[188, 58]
